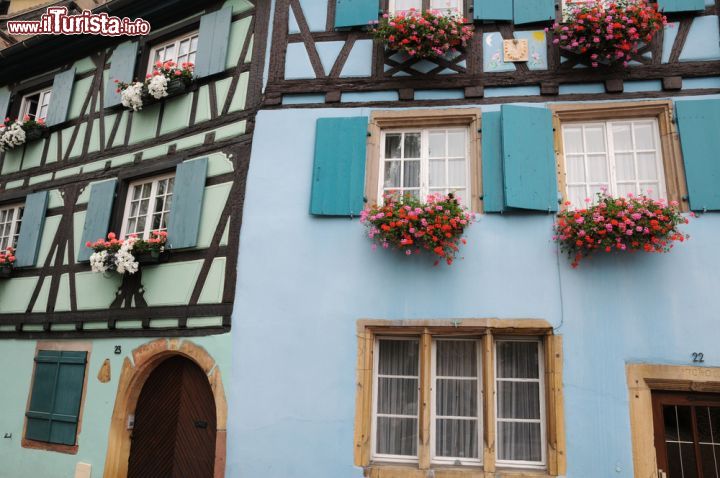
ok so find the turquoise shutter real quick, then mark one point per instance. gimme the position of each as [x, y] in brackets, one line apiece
[31, 229]
[531, 11]
[529, 158]
[338, 180]
[4, 102]
[493, 10]
[492, 162]
[669, 6]
[60, 97]
[97, 216]
[698, 125]
[355, 13]
[122, 68]
[184, 220]
[213, 40]
[56, 395]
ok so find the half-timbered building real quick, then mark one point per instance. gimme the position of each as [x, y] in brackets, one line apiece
[109, 374]
[350, 362]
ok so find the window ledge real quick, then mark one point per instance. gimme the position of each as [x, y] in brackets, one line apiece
[56, 447]
[383, 470]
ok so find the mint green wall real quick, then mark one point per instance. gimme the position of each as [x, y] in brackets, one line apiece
[16, 462]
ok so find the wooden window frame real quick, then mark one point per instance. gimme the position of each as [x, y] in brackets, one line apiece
[151, 206]
[175, 40]
[425, 119]
[662, 111]
[25, 105]
[15, 225]
[484, 330]
[426, 5]
[63, 346]
[642, 381]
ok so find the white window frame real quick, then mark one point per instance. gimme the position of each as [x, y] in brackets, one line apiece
[376, 381]
[151, 206]
[543, 418]
[424, 161]
[392, 9]
[610, 151]
[433, 404]
[25, 104]
[14, 225]
[174, 42]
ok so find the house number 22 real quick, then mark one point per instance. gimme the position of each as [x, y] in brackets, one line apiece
[698, 357]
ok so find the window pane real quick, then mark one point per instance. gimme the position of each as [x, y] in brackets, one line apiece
[437, 173]
[622, 137]
[456, 144]
[456, 358]
[456, 398]
[519, 441]
[437, 144]
[644, 136]
[597, 168]
[456, 438]
[647, 166]
[398, 357]
[456, 172]
[461, 195]
[623, 189]
[397, 396]
[402, 5]
[517, 359]
[411, 174]
[397, 436]
[594, 139]
[573, 140]
[412, 145]
[624, 166]
[518, 400]
[575, 168]
[392, 174]
[709, 454]
[392, 145]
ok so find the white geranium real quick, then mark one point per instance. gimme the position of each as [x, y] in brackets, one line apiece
[124, 259]
[12, 136]
[157, 86]
[99, 261]
[131, 96]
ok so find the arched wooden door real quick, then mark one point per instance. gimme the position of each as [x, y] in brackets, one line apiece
[175, 424]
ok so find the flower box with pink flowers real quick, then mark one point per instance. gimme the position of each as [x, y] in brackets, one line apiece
[125, 256]
[7, 261]
[168, 79]
[608, 32]
[423, 34]
[16, 133]
[632, 223]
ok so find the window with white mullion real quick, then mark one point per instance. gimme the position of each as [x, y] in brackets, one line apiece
[444, 6]
[519, 403]
[396, 397]
[180, 50]
[456, 424]
[10, 219]
[35, 105]
[148, 206]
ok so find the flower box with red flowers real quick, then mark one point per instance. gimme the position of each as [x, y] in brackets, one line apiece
[168, 79]
[7, 260]
[608, 32]
[634, 223]
[428, 34]
[125, 256]
[415, 227]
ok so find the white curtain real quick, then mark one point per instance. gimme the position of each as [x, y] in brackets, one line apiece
[456, 396]
[397, 397]
[519, 425]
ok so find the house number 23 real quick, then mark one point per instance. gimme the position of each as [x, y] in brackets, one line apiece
[698, 357]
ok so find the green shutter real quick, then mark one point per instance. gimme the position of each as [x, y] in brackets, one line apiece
[529, 158]
[669, 6]
[122, 68]
[531, 11]
[31, 229]
[97, 216]
[184, 220]
[213, 39]
[699, 125]
[355, 13]
[4, 102]
[492, 162]
[56, 395]
[60, 97]
[493, 10]
[338, 180]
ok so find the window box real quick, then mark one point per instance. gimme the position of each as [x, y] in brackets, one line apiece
[167, 79]
[152, 257]
[5, 271]
[125, 256]
[17, 133]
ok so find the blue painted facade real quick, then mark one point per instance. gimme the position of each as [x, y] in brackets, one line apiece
[305, 281]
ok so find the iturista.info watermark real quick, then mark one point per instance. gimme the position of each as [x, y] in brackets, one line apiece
[57, 21]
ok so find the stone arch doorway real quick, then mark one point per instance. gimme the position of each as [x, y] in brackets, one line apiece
[164, 364]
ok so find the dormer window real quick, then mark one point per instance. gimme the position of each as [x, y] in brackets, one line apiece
[179, 49]
[444, 6]
[35, 105]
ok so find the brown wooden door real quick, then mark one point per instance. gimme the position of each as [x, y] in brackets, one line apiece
[175, 424]
[687, 434]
